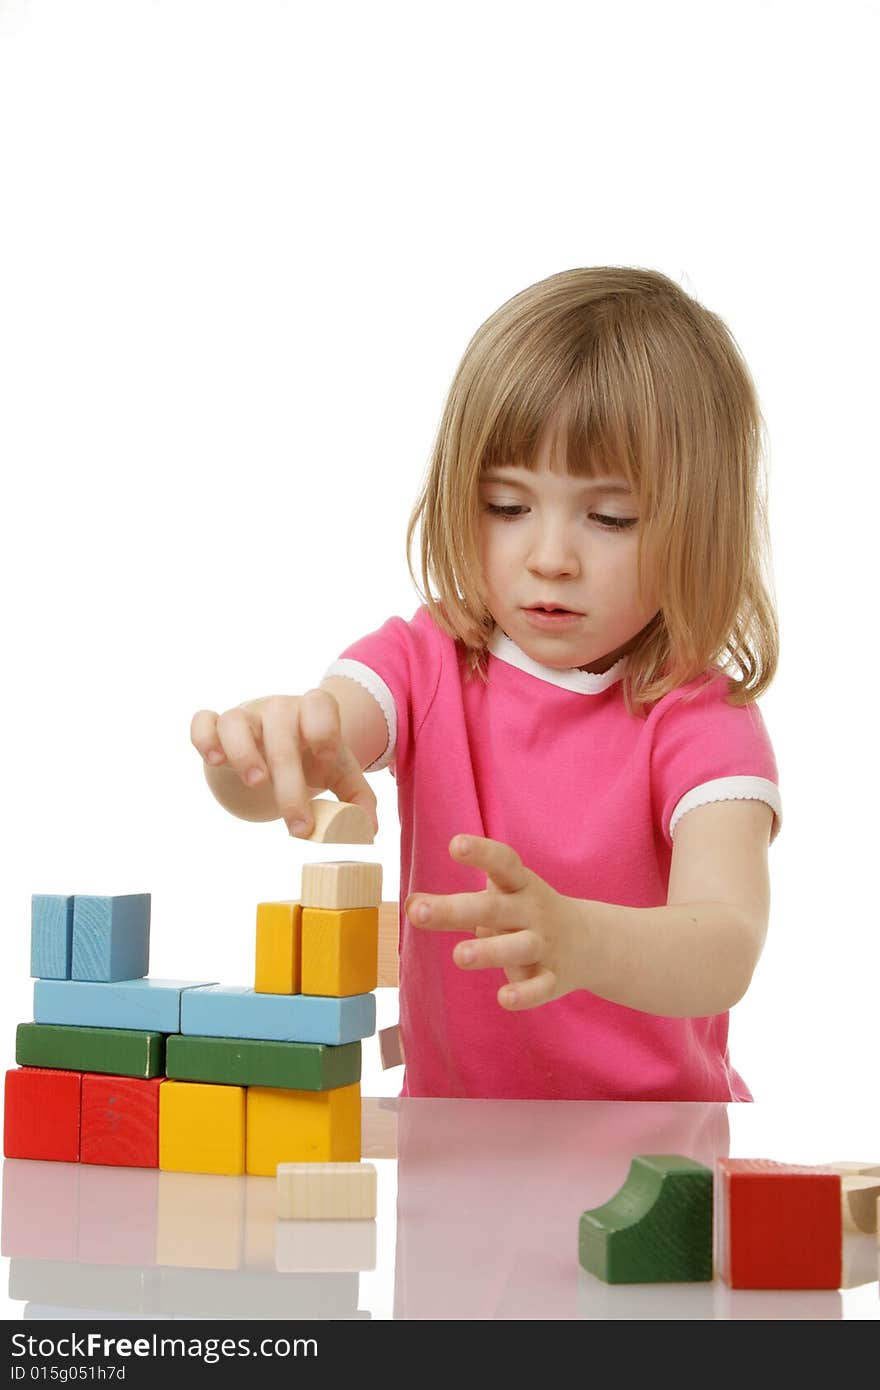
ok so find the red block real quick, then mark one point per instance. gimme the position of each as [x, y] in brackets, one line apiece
[41, 1117]
[120, 1120]
[779, 1225]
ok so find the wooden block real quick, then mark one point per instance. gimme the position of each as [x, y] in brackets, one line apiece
[389, 949]
[201, 1128]
[851, 1168]
[237, 1011]
[656, 1229]
[111, 937]
[277, 968]
[326, 1191]
[340, 823]
[142, 1004]
[339, 950]
[118, 1215]
[302, 1127]
[41, 1114]
[859, 1197]
[323, 1246]
[31, 1190]
[120, 1120]
[341, 883]
[51, 935]
[201, 1221]
[779, 1225]
[104, 1288]
[118, 1051]
[391, 1047]
[250, 1062]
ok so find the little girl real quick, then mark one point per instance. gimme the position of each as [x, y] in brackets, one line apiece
[586, 787]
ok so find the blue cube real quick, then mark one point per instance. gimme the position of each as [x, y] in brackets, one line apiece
[111, 937]
[51, 935]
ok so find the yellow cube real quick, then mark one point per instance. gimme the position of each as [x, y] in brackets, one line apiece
[278, 948]
[302, 1127]
[201, 1127]
[340, 950]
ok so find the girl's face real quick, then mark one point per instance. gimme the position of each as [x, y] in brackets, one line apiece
[551, 541]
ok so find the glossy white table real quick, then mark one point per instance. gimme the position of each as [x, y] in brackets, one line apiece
[479, 1203]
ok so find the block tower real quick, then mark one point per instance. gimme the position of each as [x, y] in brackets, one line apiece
[193, 1076]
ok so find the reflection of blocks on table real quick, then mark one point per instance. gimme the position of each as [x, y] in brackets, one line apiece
[111, 937]
[302, 1127]
[326, 1191]
[120, 1120]
[201, 1128]
[779, 1225]
[304, 1246]
[657, 1228]
[31, 1190]
[118, 1215]
[200, 1221]
[42, 1114]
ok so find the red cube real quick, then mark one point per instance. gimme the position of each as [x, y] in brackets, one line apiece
[41, 1116]
[120, 1120]
[779, 1225]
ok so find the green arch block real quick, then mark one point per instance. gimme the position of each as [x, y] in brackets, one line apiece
[658, 1227]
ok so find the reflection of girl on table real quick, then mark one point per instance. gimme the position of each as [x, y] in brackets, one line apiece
[586, 787]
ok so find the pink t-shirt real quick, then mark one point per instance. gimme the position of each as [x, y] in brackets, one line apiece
[589, 796]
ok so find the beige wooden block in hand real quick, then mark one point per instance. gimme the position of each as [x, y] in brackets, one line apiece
[859, 1197]
[326, 1191]
[341, 883]
[340, 823]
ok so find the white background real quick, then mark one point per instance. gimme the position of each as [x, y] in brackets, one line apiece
[242, 249]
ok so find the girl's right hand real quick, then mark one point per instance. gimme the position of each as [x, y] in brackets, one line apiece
[291, 742]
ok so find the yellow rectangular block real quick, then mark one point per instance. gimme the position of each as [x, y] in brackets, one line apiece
[326, 1191]
[302, 1127]
[201, 1221]
[340, 950]
[341, 883]
[201, 1128]
[278, 948]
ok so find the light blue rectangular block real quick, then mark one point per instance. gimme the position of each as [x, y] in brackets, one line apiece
[152, 1006]
[111, 937]
[51, 935]
[236, 1011]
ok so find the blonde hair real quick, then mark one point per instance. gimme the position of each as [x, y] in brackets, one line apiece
[635, 377]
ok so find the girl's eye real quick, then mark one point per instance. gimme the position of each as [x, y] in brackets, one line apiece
[507, 512]
[615, 523]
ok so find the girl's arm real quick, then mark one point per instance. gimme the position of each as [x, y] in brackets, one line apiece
[695, 956]
[692, 958]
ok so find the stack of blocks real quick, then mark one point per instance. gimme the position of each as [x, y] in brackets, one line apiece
[192, 1076]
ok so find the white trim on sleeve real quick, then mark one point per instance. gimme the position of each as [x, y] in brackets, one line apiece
[730, 789]
[367, 677]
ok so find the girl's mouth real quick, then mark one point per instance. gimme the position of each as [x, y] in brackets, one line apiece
[551, 618]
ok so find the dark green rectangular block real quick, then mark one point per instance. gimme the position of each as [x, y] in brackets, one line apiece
[117, 1051]
[254, 1062]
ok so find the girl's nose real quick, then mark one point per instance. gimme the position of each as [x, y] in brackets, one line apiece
[554, 552]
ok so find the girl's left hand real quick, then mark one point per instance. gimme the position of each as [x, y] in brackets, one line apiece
[522, 925]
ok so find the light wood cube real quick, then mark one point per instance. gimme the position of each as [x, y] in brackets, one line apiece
[326, 1191]
[341, 883]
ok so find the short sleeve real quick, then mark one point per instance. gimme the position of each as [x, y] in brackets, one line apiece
[399, 664]
[706, 750]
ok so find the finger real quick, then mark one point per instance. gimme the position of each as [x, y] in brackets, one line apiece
[505, 951]
[449, 911]
[203, 736]
[237, 730]
[526, 994]
[498, 861]
[336, 766]
[281, 740]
